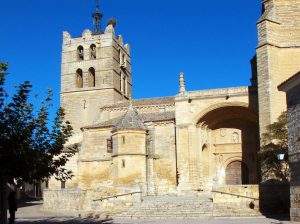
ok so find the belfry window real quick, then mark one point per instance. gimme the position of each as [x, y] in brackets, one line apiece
[91, 78]
[93, 54]
[80, 53]
[79, 78]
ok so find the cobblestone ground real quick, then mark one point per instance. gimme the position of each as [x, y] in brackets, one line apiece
[31, 214]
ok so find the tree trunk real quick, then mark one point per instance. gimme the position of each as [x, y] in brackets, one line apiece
[3, 202]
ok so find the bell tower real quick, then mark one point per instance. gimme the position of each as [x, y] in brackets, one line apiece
[95, 71]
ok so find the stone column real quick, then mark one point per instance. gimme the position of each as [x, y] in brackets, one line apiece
[183, 155]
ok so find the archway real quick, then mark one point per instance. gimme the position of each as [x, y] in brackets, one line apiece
[236, 173]
[233, 133]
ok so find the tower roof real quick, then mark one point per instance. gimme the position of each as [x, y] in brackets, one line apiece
[130, 120]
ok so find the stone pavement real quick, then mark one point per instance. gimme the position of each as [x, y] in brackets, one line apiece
[31, 213]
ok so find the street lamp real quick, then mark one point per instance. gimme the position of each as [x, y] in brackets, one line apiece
[280, 156]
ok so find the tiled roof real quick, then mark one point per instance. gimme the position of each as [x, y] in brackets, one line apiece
[130, 120]
[143, 102]
[149, 117]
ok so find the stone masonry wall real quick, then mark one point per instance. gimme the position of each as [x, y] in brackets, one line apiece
[293, 97]
[278, 55]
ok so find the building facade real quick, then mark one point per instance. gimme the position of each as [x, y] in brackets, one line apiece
[194, 141]
[292, 89]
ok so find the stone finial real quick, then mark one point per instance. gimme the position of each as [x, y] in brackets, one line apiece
[182, 89]
[127, 48]
[87, 34]
[66, 37]
[110, 29]
[112, 22]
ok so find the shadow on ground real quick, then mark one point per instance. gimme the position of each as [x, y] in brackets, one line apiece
[69, 221]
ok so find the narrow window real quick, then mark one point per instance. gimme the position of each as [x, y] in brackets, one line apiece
[80, 53]
[123, 139]
[121, 82]
[47, 184]
[91, 79]
[63, 184]
[93, 54]
[126, 86]
[79, 78]
[123, 60]
[123, 163]
[120, 56]
[109, 145]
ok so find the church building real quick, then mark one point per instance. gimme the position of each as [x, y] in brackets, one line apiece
[193, 143]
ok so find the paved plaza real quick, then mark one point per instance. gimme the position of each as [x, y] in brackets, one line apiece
[31, 213]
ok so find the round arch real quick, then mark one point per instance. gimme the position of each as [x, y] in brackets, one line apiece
[219, 106]
[236, 172]
[232, 113]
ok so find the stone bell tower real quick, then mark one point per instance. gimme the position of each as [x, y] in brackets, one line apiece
[95, 71]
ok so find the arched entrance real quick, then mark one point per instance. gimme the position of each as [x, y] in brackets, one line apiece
[236, 173]
[232, 132]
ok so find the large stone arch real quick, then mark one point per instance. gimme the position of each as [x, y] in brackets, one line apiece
[232, 118]
[215, 106]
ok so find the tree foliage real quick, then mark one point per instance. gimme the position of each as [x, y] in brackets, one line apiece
[30, 151]
[275, 142]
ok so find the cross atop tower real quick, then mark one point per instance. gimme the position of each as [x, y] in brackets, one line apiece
[97, 16]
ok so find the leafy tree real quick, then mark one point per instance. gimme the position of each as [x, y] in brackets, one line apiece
[275, 142]
[30, 151]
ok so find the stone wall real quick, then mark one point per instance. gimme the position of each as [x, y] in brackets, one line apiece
[236, 200]
[64, 201]
[293, 97]
[102, 201]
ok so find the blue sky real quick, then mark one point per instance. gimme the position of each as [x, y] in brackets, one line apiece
[211, 41]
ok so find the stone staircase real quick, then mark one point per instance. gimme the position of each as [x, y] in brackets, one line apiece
[169, 206]
[234, 210]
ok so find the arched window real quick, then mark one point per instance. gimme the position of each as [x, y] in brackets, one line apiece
[205, 161]
[92, 80]
[79, 78]
[80, 53]
[93, 54]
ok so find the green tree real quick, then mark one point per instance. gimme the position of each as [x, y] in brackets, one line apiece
[30, 151]
[275, 142]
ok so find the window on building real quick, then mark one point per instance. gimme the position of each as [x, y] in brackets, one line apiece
[47, 184]
[120, 56]
[63, 184]
[92, 79]
[79, 78]
[121, 82]
[126, 86]
[123, 163]
[93, 53]
[109, 145]
[80, 53]
[124, 61]
[123, 139]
